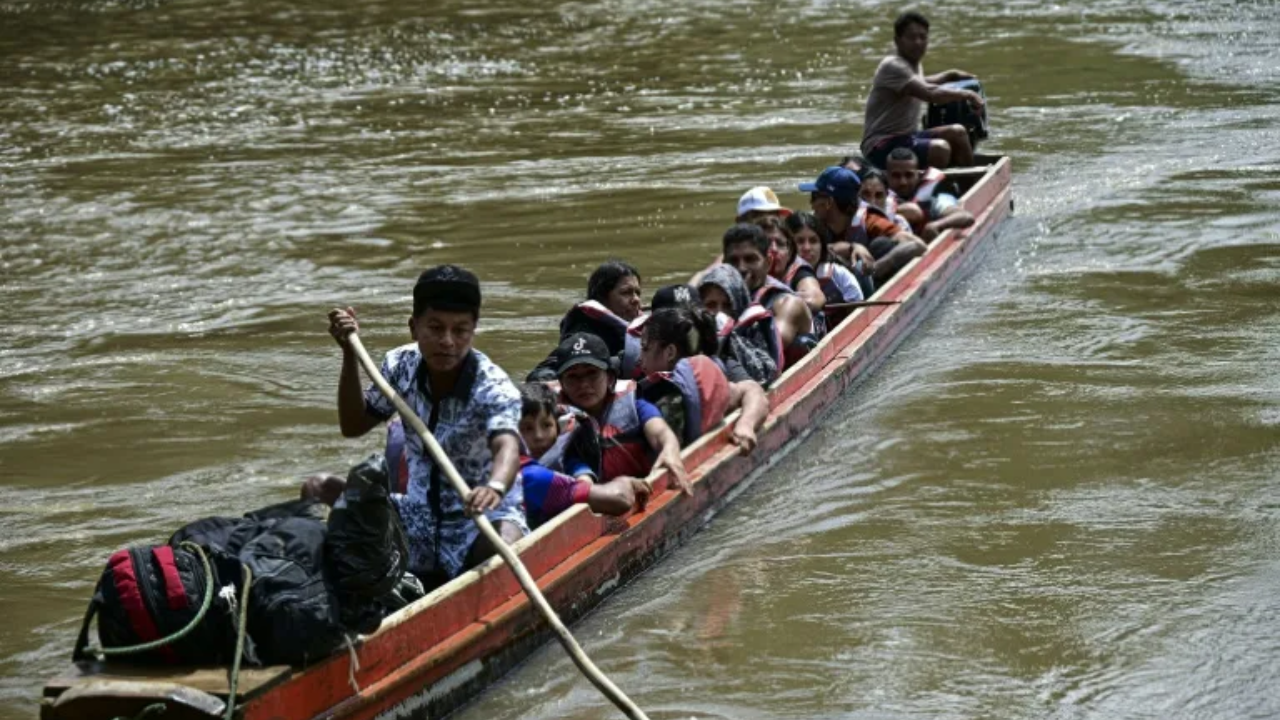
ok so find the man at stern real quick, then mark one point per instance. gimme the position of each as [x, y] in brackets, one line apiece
[897, 100]
[469, 405]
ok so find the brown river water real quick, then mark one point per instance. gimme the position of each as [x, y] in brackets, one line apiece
[1060, 498]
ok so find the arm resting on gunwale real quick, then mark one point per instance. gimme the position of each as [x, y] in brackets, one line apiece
[953, 217]
[748, 395]
[667, 445]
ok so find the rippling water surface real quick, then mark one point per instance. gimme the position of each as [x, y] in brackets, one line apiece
[1061, 498]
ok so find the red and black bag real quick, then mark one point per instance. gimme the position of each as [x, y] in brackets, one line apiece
[150, 592]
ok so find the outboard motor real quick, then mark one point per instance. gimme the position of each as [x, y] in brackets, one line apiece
[960, 113]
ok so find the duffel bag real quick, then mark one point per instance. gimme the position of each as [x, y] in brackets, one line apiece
[293, 616]
[293, 612]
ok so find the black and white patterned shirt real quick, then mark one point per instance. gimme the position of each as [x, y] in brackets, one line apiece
[484, 403]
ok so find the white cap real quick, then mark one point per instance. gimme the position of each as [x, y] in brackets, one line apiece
[760, 199]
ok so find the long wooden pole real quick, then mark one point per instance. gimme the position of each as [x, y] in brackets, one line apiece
[588, 668]
[860, 304]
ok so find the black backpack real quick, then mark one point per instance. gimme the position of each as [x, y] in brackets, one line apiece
[960, 113]
[293, 614]
[366, 551]
[150, 592]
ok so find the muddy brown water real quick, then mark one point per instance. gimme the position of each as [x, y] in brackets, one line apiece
[1060, 498]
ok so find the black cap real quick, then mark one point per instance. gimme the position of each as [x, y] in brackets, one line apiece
[448, 288]
[675, 296]
[582, 349]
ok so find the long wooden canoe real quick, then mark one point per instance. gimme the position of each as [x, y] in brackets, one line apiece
[438, 653]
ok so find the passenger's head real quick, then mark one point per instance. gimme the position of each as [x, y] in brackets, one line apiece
[911, 35]
[854, 162]
[875, 188]
[746, 247]
[616, 285]
[585, 372]
[723, 290]
[782, 246]
[446, 308]
[811, 237]
[538, 425]
[903, 169]
[834, 195]
[759, 202]
[676, 333]
[326, 488]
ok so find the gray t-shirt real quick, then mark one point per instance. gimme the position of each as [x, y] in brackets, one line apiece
[890, 111]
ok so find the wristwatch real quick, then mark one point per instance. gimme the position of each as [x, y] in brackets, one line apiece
[497, 486]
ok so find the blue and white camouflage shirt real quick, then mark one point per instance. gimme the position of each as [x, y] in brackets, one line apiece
[484, 403]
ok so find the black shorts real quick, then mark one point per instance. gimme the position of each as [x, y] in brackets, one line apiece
[918, 141]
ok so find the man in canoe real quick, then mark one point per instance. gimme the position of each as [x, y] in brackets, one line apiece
[634, 440]
[877, 241]
[896, 104]
[930, 210]
[468, 403]
[745, 247]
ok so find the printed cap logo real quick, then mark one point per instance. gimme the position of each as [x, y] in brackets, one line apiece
[580, 347]
[682, 295]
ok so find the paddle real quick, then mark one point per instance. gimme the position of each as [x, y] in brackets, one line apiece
[588, 668]
[860, 304]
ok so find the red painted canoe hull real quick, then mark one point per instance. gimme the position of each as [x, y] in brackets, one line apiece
[440, 652]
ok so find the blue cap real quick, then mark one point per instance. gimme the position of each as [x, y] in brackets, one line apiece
[838, 182]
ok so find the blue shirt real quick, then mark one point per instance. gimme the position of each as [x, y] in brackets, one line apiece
[548, 493]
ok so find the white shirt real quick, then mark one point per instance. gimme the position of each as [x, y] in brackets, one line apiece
[846, 283]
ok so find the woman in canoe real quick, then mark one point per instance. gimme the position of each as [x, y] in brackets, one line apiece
[548, 493]
[689, 385]
[788, 266]
[612, 304]
[839, 283]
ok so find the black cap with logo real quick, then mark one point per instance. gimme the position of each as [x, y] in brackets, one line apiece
[675, 296]
[583, 349]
